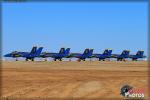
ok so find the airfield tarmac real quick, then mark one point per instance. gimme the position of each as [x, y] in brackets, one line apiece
[56, 80]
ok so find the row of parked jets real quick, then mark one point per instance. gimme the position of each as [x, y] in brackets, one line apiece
[65, 53]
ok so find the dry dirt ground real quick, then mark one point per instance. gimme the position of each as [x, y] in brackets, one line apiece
[56, 80]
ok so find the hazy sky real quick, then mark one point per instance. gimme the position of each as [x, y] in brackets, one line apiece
[77, 25]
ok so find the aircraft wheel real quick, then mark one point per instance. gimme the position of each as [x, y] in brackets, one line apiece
[79, 60]
[26, 59]
[132, 59]
[32, 59]
[54, 59]
[60, 59]
[45, 59]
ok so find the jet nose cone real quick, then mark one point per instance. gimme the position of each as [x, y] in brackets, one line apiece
[7, 55]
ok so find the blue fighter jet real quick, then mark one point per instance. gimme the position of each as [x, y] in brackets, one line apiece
[62, 54]
[86, 54]
[139, 54]
[122, 56]
[106, 54]
[28, 55]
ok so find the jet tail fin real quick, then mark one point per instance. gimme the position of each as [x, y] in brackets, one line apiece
[38, 51]
[91, 52]
[67, 51]
[107, 52]
[125, 52]
[33, 49]
[140, 53]
[62, 51]
[86, 51]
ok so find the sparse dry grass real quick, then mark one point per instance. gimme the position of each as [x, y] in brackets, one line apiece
[71, 79]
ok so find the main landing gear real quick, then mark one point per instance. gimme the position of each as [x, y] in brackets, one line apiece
[55, 59]
[121, 59]
[27, 59]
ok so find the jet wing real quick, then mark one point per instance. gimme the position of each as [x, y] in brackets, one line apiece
[96, 55]
[131, 56]
[46, 54]
[114, 55]
[74, 55]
